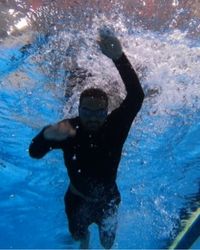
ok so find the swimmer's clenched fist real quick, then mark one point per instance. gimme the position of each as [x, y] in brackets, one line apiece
[59, 131]
[109, 44]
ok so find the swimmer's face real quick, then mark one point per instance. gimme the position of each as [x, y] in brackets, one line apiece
[93, 113]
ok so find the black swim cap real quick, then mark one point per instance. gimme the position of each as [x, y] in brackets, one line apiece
[96, 93]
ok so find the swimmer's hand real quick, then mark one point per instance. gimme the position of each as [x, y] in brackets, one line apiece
[59, 131]
[109, 44]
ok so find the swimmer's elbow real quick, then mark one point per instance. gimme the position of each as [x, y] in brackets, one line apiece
[140, 100]
[35, 153]
[142, 97]
[137, 100]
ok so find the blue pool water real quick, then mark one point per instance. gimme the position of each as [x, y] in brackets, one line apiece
[160, 167]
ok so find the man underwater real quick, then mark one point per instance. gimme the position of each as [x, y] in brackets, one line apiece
[92, 146]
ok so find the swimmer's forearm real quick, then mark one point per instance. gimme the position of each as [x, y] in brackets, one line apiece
[49, 138]
[129, 77]
[39, 146]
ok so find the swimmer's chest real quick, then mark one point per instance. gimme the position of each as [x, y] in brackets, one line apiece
[91, 147]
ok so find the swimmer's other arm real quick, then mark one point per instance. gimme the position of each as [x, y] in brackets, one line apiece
[51, 137]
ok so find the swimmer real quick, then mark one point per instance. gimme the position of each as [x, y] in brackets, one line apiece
[92, 146]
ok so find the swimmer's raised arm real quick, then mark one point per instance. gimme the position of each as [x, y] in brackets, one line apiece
[124, 115]
[111, 47]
